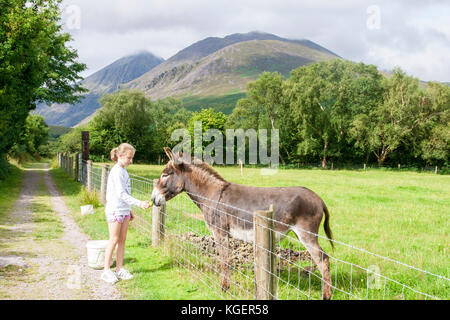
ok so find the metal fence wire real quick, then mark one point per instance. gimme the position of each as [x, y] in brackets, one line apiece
[190, 244]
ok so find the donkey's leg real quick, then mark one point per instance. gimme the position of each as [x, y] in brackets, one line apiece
[320, 258]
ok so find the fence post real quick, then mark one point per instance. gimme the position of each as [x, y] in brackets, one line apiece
[89, 175]
[436, 169]
[70, 166]
[64, 161]
[77, 166]
[158, 222]
[264, 253]
[105, 169]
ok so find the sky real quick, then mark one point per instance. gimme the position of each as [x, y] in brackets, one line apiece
[411, 34]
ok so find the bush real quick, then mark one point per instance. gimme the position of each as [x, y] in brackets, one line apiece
[4, 167]
[54, 164]
[87, 197]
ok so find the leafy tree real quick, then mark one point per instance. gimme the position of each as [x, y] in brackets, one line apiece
[36, 65]
[210, 120]
[324, 98]
[264, 108]
[433, 130]
[34, 135]
[71, 141]
[168, 115]
[123, 117]
[398, 120]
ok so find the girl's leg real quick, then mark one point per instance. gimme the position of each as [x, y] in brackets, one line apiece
[121, 244]
[114, 235]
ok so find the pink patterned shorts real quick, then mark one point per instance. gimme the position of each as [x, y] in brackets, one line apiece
[117, 218]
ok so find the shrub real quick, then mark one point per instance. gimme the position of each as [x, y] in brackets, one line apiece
[86, 197]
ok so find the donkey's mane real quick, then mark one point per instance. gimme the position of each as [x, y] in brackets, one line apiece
[203, 166]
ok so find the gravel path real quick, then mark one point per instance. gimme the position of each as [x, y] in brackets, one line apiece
[46, 269]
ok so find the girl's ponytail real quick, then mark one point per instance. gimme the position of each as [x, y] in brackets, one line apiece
[114, 154]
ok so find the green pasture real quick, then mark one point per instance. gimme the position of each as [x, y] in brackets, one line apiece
[396, 214]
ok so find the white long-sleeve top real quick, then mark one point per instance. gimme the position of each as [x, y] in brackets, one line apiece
[118, 192]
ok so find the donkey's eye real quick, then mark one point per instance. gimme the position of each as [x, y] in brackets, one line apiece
[164, 175]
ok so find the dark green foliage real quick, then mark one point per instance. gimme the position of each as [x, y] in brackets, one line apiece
[224, 104]
[35, 64]
[128, 116]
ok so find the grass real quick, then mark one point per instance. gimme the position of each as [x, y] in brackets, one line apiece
[154, 274]
[10, 189]
[47, 224]
[401, 215]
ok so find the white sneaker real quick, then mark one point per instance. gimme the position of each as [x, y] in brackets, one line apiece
[123, 274]
[109, 276]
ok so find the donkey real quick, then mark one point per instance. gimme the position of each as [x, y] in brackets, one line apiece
[228, 210]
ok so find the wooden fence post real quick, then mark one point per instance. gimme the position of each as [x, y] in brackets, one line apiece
[158, 223]
[70, 167]
[436, 169]
[89, 175]
[264, 253]
[77, 166]
[105, 169]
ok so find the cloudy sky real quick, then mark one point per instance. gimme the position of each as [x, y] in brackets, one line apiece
[413, 34]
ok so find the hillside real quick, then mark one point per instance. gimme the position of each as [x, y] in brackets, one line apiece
[103, 81]
[226, 70]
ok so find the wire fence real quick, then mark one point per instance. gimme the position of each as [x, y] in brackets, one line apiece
[297, 267]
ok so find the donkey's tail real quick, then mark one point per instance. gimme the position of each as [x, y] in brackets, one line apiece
[326, 225]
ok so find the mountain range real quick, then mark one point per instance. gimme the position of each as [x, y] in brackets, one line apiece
[210, 72]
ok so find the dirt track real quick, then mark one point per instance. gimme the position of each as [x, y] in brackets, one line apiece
[33, 268]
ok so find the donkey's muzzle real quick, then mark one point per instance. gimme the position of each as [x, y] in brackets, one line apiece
[157, 197]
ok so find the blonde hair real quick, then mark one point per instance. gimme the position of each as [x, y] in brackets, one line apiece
[120, 150]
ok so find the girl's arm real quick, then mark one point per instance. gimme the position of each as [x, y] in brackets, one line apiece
[119, 183]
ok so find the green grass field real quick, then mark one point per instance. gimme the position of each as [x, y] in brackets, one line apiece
[400, 215]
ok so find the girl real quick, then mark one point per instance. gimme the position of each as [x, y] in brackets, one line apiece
[118, 211]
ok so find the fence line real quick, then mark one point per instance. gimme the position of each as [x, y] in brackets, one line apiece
[191, 246]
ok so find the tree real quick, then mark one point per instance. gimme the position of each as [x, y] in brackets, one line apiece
[34, 135]
[210, 120]
[123, 117]
[392, 123]
[324, 98]
[36, 65]
[263, 108]
[168, 116]
[432, 135]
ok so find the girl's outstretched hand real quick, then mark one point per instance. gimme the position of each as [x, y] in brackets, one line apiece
[131, 216]
[146, 204]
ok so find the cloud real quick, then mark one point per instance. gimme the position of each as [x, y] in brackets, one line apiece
[412, 34]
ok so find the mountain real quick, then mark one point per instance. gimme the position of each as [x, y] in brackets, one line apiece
[103, 81]
[222, 66]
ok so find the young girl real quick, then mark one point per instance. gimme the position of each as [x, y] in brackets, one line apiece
[118, 211]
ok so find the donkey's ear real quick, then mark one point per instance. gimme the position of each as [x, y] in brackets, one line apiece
[168, 153]
[178, 158]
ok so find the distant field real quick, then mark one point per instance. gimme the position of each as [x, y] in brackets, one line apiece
[400, 215]
[224, 103]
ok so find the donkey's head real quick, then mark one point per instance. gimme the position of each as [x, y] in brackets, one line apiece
[171, 180]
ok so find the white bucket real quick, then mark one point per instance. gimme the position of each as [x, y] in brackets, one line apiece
[96, 253]
[88, 209]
